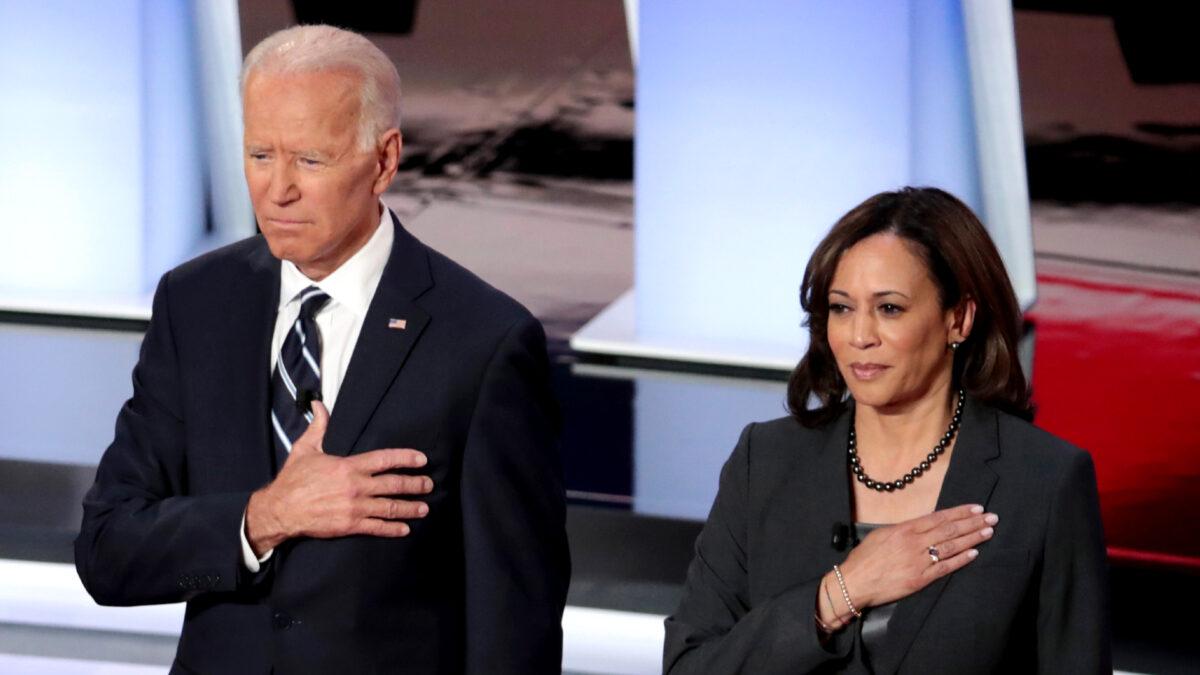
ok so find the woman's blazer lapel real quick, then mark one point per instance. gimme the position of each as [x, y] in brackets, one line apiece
[969, 480]
[809, 494]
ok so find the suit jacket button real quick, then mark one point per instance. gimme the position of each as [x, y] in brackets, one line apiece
[282, 621]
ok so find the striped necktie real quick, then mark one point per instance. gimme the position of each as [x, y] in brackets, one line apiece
[296, 381]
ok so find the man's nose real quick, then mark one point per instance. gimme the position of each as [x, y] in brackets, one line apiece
[283, 188]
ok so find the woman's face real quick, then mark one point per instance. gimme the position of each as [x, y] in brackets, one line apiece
[887, 329]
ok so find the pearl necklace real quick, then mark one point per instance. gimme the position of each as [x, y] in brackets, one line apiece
[900, 483]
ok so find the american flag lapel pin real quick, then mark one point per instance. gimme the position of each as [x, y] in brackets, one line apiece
[397, 324]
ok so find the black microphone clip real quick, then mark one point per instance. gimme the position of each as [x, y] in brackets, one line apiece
[841, 537]
[304, 399]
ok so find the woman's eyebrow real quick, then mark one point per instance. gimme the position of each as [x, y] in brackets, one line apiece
[877, 294]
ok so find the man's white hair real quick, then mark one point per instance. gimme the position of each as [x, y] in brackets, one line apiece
[309, 49]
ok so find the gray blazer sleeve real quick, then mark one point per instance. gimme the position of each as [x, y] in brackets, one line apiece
[1072, 617]
[717, 628]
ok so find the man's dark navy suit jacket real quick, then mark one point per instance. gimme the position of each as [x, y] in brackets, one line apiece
[480, 583]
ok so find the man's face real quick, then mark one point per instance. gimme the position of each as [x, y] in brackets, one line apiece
[315, 192]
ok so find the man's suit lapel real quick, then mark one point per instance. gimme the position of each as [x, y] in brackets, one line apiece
[382, 345]
[247, 406]
[969, 480]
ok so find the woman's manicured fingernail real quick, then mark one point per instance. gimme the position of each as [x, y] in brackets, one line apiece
[987, 531]
[977, 509]
[991, 519]
[972, 554]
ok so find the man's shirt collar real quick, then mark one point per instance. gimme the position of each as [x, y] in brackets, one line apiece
[353, 283]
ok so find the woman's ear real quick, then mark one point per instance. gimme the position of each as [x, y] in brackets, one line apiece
[962, 319]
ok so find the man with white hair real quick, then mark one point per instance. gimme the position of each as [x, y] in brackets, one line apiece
[341, 446]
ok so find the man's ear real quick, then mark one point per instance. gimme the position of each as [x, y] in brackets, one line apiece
[962, 320]
[388, 150]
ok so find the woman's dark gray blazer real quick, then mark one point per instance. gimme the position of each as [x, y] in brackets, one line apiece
[1035, 600]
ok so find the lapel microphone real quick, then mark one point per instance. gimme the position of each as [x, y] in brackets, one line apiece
[304, 399]
[841, 537]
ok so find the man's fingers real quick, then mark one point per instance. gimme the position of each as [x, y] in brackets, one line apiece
[313, 437]
[378, 461]
[385, 517]
[383, 528]
[392, 484]
[385, 508]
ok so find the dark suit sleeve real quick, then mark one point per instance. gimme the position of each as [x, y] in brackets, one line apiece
[143, 539]
[514, 514]
[716, 629]
[1073, 610]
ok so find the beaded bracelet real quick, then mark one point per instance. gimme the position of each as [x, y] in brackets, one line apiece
[837, 623]
[846, 594]
[832, 607]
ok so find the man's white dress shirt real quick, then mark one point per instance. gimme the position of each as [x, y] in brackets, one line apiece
[350, 288]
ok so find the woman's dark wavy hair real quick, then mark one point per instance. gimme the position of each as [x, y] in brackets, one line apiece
[963, 262]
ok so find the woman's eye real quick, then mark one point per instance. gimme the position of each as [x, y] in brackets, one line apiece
[838, 308]
[889, 308]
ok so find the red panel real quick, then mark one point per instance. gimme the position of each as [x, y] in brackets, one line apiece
[1117, 371]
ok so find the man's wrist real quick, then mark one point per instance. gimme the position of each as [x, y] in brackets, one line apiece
[251, 560]
[263, 530]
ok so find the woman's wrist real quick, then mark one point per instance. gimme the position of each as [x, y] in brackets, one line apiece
[829, 616]
[858, 591]
[841, 581]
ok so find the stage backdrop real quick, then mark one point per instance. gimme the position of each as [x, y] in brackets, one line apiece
[758, 126]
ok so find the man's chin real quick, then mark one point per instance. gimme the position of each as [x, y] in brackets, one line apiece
[285, 250]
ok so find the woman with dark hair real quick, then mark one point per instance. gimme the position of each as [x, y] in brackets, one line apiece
[906, 517]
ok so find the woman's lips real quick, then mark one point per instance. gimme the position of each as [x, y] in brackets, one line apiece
[867, 371]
